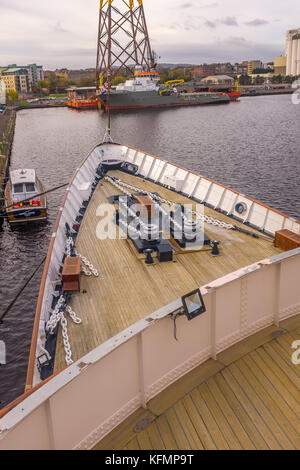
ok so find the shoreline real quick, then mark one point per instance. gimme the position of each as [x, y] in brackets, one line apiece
[7, 131]
[40, 106]
[269, 93]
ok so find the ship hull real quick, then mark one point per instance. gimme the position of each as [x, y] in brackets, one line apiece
[234, 96]
[26, 216]
[142, 353]
[83, 104]
[143, 100]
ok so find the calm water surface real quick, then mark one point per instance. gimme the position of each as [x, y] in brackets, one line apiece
[251, 146]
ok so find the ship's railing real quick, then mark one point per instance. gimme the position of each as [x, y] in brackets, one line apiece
[68, 212]
[86, 401]
[214, 194]
[146, 358]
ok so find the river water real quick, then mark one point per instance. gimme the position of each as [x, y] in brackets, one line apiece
[252, 146]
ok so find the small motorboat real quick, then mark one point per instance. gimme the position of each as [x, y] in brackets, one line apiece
[25, 200]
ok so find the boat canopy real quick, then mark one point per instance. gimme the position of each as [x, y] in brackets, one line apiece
[22, 176]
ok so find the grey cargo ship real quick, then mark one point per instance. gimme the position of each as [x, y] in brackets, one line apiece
[144, 91]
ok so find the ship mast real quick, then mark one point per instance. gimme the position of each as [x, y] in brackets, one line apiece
[123, 43]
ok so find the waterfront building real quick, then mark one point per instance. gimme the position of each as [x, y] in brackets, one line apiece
[293, 52]
[241, 69]
[219, 80]
[280, 65]
[62, 73]
[253, 65]
[266, 78]
[16, 79]
[204, 70]
[35, 73]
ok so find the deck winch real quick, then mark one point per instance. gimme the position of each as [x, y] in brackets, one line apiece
[139, 217]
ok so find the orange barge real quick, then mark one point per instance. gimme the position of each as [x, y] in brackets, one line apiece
[82, 98]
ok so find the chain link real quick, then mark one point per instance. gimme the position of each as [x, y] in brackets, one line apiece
[200, 217]
[58, 316]
[66, 341]
[73, 316]
[91, 269]
[58, 313]
[69, 246]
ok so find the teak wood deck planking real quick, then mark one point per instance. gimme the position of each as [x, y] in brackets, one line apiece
[248, 399]
[127, 289]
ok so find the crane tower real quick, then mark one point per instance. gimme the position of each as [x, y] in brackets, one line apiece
[123, 40]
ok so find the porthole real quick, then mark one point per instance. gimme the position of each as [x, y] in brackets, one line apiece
[241, 208]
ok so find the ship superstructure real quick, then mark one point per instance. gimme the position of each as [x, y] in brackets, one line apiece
[133, 56]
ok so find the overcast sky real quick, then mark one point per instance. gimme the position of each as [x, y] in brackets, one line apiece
[63, 33]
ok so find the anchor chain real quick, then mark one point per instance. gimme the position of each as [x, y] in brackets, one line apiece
[200, 217]
[69, 246]
[91, 269]
[67, 347]
[58, 316]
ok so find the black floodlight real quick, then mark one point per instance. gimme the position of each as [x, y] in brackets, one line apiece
[193, 304]
[43, 361]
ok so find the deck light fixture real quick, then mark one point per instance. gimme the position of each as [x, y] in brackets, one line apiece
[193, 304]
[43, 361]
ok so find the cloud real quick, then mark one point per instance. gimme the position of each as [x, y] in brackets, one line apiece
[229, 21]
[257, 22]
[64, 33]
[187, 5]
[210, 24]
[57, 28]
[209, 5]
[231, 49]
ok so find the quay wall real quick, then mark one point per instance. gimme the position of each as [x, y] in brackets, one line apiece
[7, 131]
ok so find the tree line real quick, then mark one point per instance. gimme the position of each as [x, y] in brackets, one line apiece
[260, 80]
[59, 83]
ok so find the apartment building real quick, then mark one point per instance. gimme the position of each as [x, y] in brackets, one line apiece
[16, 79]
[253, 65]
[280, 65]
[35, 72]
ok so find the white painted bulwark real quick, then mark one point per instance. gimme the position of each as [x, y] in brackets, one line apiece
[173, 182]
[90, 398]
[83, 403]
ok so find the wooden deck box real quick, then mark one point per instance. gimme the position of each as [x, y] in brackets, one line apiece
[286, 240]
[71, 274]
[147, 203]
